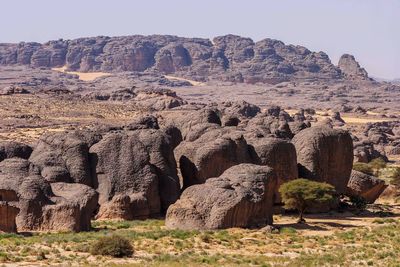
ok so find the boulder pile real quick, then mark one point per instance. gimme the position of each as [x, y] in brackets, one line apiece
[193, 167]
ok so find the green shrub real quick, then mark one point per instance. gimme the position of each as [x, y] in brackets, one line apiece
[363, 167]
[378, 164]
[372, 168]
[114, 245]
[395, 177]
[301, 194]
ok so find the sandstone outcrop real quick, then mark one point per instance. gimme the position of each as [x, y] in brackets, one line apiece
[366, 186]
[40, 209]
[14, 149]
[135, 173]
[351, 68]
[63, 157]
[228, 58]
[278, 154]
[325, 155]
[241, 197]
[210, 155]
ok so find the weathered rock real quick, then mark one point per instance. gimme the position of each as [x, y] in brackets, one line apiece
[264, 125]
[41, 210]
[241, 197]
[210, 155]
[194, 123]
[143, 122]
[135, 174]
[278, 154]
[350, 67]
[18, 167]
[158, 100]
[365, 186]
[65, 151]
[227, 58]
[122, 167]
[239, 108]
[14, 149]
[83, 196]
[13, 90]
[325, 155]
[8, 213]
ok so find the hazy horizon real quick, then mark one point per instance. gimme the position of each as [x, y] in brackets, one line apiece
[366, 29]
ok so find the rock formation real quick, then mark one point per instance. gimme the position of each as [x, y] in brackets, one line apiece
[278, 154]
[350, 67]
[325, 155]
[241, 197]
[63, 158]
[14, 149]
[229, 58]
[365, 186]
[210, 155]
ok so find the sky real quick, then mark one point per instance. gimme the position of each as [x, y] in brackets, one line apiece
[368, 29]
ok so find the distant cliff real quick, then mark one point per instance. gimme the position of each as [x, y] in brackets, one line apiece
[225, 58]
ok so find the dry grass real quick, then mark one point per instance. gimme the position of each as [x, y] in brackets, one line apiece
[326, 240]
[25, 117]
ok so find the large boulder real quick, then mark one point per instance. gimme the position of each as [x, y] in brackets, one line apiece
[241, 197]
[63, 157]
[278, 154]
[365, 186]
[135, 173]
[197, 121]
[40, 209]
[325, 155]
[10, 149]
[17, 167]
[83, 196]
[210, 155]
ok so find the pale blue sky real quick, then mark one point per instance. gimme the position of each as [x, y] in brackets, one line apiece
[369, 29]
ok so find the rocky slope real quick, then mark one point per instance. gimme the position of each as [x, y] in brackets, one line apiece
[228, 58]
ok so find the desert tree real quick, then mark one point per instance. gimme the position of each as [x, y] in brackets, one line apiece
[301, 194]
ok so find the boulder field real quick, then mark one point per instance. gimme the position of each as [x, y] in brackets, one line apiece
[212, 167]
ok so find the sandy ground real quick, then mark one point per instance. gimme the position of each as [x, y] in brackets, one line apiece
[84, 76]
[194, 83]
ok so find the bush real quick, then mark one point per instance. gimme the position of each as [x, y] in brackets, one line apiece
[372, 168]
[115, 246]
[363, 167]
[395, 177]
[301, 194]
[378, 164]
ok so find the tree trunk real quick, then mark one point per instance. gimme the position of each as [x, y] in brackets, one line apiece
[301, 219]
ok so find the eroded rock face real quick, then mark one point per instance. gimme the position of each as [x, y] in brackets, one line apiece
[365, 186]
[42, 210]
[8, 210]
[241, 197]
[63, 157]
[278, 154]
[123, 169]
[210, 155]
[227, 58]
[85, 197]
[350, 67]
[325, 155]
[14, 149]
[135, 174]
